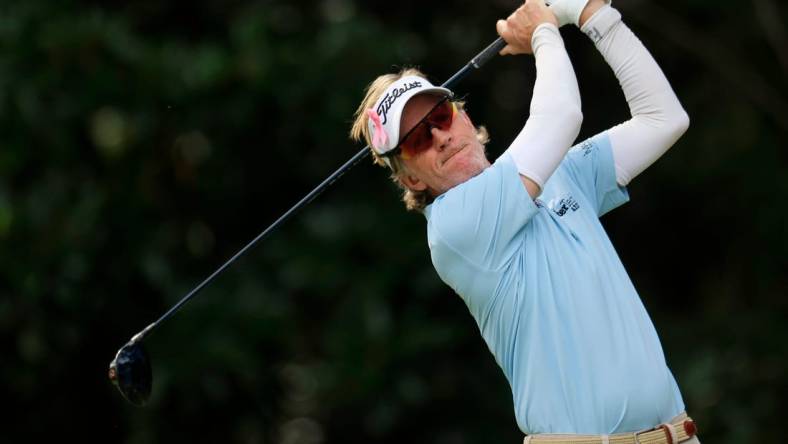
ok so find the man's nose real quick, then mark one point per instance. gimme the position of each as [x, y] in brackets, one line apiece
[441, 139]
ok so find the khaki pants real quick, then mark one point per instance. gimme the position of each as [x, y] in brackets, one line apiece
[552, 438]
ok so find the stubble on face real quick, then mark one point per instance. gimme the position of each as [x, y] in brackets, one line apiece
[455, 156]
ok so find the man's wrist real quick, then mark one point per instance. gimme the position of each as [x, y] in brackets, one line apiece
[600, 23]
[545, 33]
[590, 9]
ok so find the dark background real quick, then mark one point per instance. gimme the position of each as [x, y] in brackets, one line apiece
[143, 143]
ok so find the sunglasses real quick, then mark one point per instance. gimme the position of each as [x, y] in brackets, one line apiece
[419, 138]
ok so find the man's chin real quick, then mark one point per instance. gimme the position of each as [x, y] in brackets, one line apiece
[468, 172]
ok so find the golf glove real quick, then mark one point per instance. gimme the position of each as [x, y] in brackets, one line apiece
[568, 11]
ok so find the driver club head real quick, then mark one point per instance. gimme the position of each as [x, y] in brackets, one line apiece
[131, 373]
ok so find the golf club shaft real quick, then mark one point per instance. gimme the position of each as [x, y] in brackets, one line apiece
[475, 63]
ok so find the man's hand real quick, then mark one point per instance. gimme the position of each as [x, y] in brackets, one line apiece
[518, 29]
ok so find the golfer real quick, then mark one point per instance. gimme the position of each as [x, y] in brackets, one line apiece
[520, 240]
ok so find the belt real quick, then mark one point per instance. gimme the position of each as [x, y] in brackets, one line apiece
[680, 429]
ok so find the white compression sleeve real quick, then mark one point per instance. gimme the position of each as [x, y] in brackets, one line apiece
[555, 116]
[658, 119]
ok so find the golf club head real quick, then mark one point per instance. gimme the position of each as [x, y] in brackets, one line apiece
[131, 373]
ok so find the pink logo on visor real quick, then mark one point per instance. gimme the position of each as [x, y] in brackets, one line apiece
[379, 139]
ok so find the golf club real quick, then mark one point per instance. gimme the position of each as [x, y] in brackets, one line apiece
[131, 372]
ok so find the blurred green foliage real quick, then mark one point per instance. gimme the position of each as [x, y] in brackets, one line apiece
[143, 143]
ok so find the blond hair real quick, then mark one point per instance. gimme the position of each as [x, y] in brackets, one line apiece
[414, 200]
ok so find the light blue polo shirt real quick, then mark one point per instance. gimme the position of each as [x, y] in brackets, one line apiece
[551, 298]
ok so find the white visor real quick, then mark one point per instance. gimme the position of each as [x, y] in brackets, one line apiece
[384, 117]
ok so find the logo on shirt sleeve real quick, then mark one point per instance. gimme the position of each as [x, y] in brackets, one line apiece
[586, 147]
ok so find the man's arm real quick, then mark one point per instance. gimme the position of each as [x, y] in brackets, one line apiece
[658, 119]
[555, 116]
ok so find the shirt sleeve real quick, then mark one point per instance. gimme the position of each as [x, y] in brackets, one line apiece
[658, 119]
[591, 168]
[479, 220]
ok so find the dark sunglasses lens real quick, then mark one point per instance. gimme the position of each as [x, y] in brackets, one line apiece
[420, 139]
[417, 141]
[441, 116]
[131, 373]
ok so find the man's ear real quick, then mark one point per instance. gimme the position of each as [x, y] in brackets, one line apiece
[412, 182]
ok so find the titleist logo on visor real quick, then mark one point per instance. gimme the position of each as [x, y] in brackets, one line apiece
[392, 96]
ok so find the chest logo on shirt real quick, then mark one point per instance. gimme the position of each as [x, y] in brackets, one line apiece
[565, 204]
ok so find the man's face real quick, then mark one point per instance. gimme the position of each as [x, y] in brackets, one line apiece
[454, 156]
